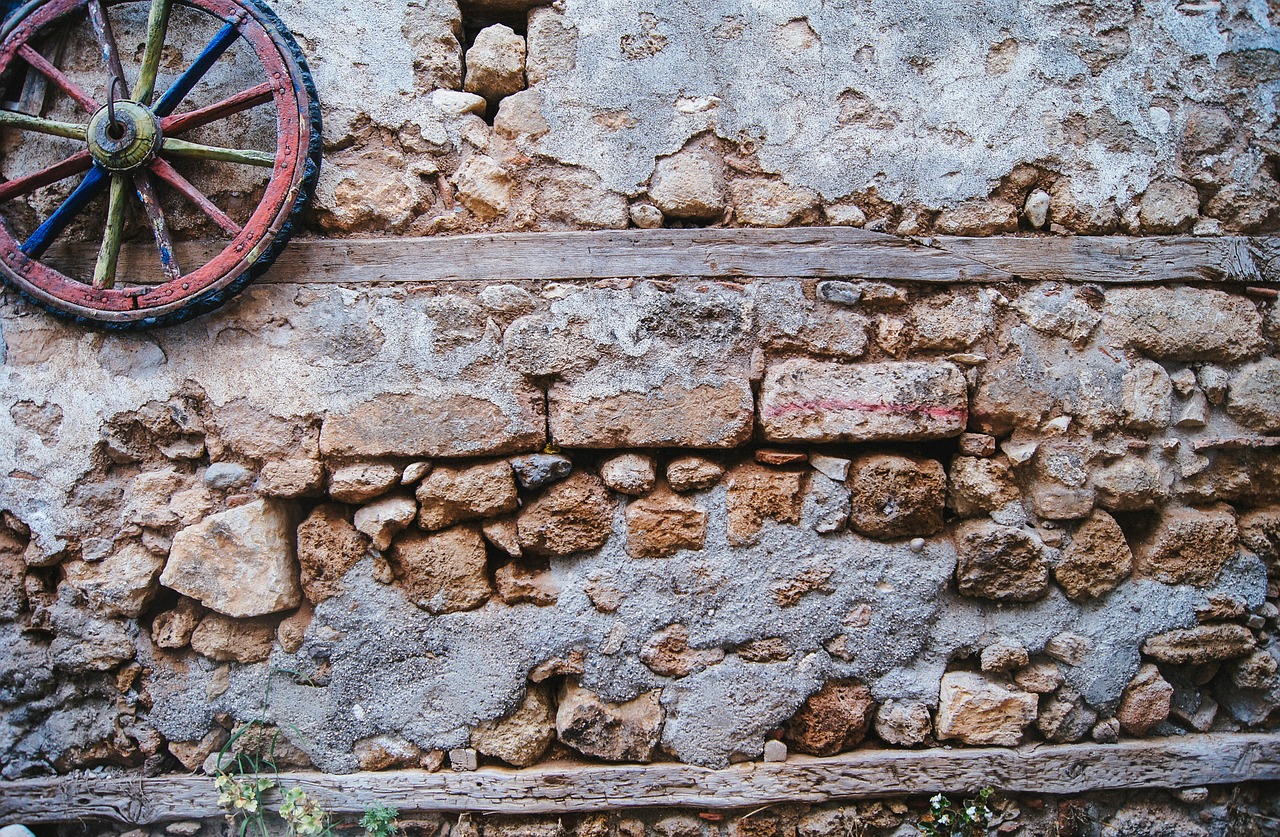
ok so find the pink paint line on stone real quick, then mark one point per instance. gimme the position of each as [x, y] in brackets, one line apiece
[828, 405]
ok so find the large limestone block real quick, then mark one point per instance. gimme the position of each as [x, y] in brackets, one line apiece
[1096, 560]
[452, 494]
[689, 184]
[897, 496]
[1254, 396]
[664, 523]
[833, 719]
[495, 63]
[328, 547]
[676, 413]
[450, 425]
[1184, 323]
[120, 585]
[979, 709]
[810, 401]
[240, 562]
[522, 737]
[574, 515]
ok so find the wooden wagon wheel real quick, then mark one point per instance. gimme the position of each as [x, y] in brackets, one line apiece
[129, 145]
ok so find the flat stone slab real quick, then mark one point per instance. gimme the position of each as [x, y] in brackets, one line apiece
[814, 401]
[672, 414]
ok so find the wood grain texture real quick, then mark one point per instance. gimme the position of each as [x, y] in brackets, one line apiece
[558, 788]
[801, 252]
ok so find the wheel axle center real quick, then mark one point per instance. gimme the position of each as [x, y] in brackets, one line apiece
[128, 143]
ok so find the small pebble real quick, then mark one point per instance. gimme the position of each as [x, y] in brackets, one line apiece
[414, 472]
[917, 545]
[775, 751]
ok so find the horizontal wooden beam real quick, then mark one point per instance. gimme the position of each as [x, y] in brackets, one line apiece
[558, 788]
[802, 252]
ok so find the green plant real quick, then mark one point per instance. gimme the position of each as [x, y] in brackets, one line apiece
[380, 821]
[945, 819]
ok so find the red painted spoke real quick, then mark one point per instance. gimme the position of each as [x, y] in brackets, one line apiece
[178, 123]
[164, 241]
[106, 40]
[58, 171]
[40, 63]
[170, 175]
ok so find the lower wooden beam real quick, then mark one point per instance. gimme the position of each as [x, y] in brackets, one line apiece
[560, 788]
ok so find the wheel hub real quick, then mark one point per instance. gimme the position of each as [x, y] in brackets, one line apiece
[127, 144]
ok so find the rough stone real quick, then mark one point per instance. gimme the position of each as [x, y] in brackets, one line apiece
[978, 709]
[495, 63]
[894, 496]
[224, 476]
[1184, 323]
[1096, 560]
[172, 628]
[1146, 702]
[291, 479]
[522, 737]
[774, 751]
[1040, 678]
[362, 482]
[442, 572]
[1003, 655]
[503, 534]
[1253, 398]
[1067, 647]
[1169, 206]
[122, 584]
[239, 562]
[1146, 394]
[646, 216]
[147, 497]
[667, 653]
[1036, 208]
[382, 752]
[520, 115]
[978, 217]
[610, 731]
[690, 184]
[574, 515]
[1202, 644]
[978, 486]
[328, 547]
[662, 524]
[292, 630]
[755, 493]
[383, 518]
[833, 719]
[538, 469]
[690, 473]
[1188, 545]
[977, 444]
[86, 641]
[240, 640]
[1000, 562]
[517, 583]
[1065, 718]
[809, 401]
[833, 467]
[629, 473]
[903, 723]
[768, 202]
[451, 494]
[1129, 484]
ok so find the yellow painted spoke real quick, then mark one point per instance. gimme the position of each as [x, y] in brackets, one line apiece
[43, 126]
[195, 151]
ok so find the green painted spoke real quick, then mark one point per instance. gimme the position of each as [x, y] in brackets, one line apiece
[157, 26]
[43, 126]
[195, 151]
[104, 272]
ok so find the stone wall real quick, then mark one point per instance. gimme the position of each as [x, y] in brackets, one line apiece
[820, 511]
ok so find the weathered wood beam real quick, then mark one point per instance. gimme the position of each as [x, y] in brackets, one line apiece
[801, 252]
[558, 788]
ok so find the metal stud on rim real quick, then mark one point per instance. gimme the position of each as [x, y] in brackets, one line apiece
[130, 146]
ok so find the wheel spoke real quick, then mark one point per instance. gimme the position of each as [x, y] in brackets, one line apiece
[104, 271]
[191, 77]
[58, 171]
[196, 151]
[106, 40]
[164, 241]
[157, 26]
[42, 65]
[92, 185]
[42, 126]
[193, 119]
[170, 175]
